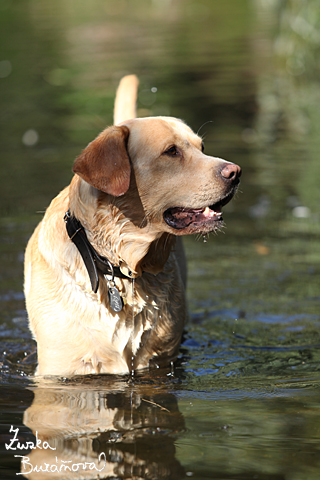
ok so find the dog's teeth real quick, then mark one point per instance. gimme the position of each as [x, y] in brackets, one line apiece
[211, 213]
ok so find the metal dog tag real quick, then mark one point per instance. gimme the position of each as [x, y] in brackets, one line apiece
[115, 299]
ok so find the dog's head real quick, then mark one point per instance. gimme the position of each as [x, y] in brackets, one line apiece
[181, 189]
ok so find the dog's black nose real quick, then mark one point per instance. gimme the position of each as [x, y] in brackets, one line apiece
[231, 172]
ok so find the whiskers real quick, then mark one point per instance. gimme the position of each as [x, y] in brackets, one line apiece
[144, 221]
[237, 192]
[205, 236]
[205, 123]
[166, 241]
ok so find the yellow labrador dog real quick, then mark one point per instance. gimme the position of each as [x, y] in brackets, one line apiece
[104, 281]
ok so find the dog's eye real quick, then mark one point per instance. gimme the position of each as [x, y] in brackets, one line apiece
[202, 147]
[172, 151]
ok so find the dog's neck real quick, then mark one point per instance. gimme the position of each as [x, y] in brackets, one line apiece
[125, 238]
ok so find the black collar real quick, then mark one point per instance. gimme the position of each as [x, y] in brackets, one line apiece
[92, 260]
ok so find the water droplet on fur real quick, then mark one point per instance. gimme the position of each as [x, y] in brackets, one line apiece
[132, 329]
[131, 407]
[205, 238]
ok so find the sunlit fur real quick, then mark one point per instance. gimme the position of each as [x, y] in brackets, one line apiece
[75, 329]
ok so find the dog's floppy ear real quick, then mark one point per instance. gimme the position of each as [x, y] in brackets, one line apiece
[104, 163]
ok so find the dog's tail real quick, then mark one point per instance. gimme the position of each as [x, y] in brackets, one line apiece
[126, 99]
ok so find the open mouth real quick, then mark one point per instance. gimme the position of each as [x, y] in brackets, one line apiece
[196, 219]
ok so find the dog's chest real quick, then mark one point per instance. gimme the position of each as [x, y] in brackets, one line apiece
[140, 312]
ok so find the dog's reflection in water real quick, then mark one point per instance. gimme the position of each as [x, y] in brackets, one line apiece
[96, 434]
